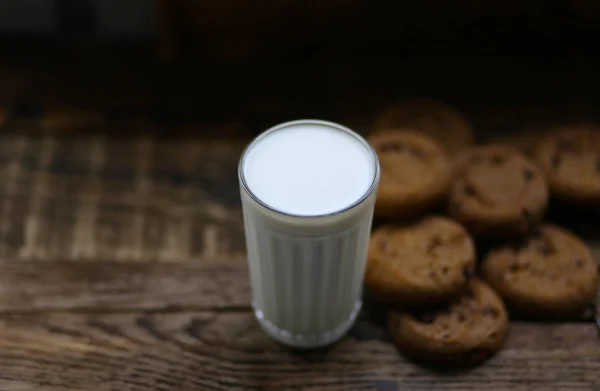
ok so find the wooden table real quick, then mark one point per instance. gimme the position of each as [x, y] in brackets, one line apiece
[123, 268]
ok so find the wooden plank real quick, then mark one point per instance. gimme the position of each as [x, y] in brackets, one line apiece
[228, 351]
[27, 286]
[118, 286]
[135, 199]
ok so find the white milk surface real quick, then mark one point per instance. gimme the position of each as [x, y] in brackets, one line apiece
[308, 170]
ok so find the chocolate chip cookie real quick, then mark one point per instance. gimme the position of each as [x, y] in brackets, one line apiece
[435, 119]
[467, 331]
[415, 174]
[497, 191]
[550, 273]
[570, 160]
[424, 262]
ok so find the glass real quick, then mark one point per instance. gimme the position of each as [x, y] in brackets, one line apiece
[306, 272]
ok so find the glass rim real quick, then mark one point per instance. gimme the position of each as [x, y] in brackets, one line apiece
[333, 125]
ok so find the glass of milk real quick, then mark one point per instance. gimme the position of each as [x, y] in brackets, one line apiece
[308, 190]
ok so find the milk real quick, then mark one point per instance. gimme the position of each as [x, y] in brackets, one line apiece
[308, 190]
[309, 170]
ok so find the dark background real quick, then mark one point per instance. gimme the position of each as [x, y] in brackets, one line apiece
[185, 62]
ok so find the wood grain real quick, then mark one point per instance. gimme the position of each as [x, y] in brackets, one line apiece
[227, 351]
[99, 286]
[118, 286]
[122, 267]
[140, 199]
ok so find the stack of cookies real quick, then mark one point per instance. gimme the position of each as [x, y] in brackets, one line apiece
[441, 197]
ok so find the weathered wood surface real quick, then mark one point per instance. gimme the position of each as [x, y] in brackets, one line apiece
[122, 263]
[227, 351]
[136, 200]
[123, 268]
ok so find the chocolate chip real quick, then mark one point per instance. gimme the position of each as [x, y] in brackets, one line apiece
[462, 318]
[543, 248]
[490, 311]
[435, 242]
[469, 190]
[555, 161]
[425, 317]
[393, 147]
[445, 335]
[417, 152]
[497, 159]
[528, 175]
[432, 274]
[386, 247]
[579, 263]
[565, 144]
[513, 268]
[445, 270]
[527, 215]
